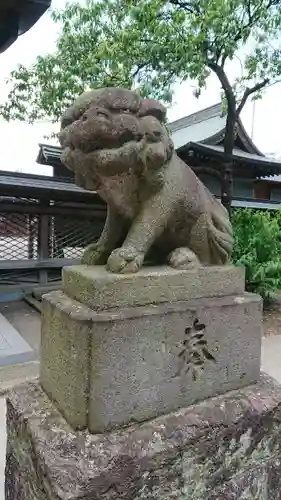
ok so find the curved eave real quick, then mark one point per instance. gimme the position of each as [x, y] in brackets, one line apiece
[18, 184]
[247, 166]
[208, 127]
[275, 179]
[247, 141]
[18, 17]
[49, 155]
[214, 139]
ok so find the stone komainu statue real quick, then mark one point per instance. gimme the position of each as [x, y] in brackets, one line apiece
[117, 144]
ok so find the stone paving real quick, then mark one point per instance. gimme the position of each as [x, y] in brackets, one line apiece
[13, 348]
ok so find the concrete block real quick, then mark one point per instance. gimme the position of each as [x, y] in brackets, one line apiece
[224, 448]
[106, 369]
[65, 360]
[99, 289]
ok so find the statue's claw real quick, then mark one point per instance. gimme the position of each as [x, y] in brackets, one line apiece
[125, 260]
[95, 254]
[183, 258]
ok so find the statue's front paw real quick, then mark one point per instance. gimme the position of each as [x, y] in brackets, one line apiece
[125, 260]
[95, 255]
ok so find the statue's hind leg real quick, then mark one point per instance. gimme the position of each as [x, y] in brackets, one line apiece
[197, 253]
[211, 239]
[183, 258]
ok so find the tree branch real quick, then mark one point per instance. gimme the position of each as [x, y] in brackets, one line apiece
[250, 91]
[272, 3]
[253, 16]
[223, 59]
[228, 90]
[190, 7]
[138, 69]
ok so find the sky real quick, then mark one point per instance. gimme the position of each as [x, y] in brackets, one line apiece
[19, 140]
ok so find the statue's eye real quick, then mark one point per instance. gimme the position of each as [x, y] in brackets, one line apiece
[156, 136]
[92, 114]
[101, 113]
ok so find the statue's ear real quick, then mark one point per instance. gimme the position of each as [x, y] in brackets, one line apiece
[150, 107]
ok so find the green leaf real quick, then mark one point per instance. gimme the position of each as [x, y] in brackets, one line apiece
[258, 248]
[148, 45]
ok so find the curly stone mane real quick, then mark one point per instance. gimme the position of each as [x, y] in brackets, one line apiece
[110, 131]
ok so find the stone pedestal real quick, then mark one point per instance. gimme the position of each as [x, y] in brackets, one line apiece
[118, 349]
[224, 448]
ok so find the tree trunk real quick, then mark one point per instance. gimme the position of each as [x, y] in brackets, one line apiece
[233, 113]
[229, 138]
[227, 171]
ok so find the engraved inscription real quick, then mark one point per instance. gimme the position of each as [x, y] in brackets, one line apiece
[195, 351]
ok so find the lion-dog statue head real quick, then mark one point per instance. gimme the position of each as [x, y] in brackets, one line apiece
[114, 132]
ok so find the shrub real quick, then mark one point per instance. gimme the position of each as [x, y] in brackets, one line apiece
[257, 247]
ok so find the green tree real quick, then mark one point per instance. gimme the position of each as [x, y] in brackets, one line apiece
[149, 45]
[193, 38]
[96, 47]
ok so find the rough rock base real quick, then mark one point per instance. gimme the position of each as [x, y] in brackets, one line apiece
[225, 448]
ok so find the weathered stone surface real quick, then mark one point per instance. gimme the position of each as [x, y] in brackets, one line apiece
[65, 354]
[118, 145]
[96, 287]
[109, 368]
[225, 448]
